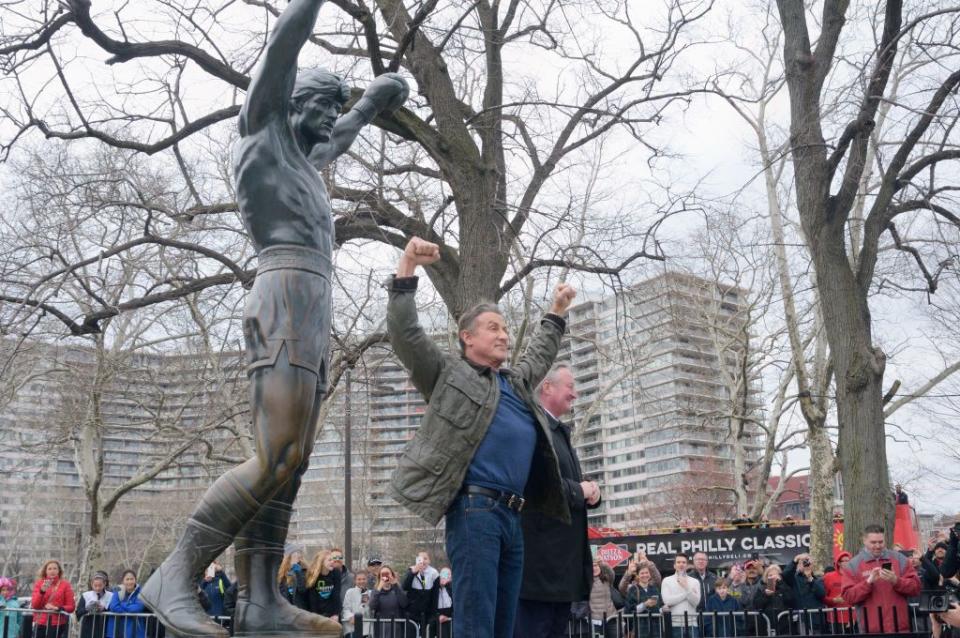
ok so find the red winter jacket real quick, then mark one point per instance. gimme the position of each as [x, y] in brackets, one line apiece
[833, 584]
[59, 594]
[881, 599]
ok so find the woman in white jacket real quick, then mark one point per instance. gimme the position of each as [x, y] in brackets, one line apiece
[356, 601]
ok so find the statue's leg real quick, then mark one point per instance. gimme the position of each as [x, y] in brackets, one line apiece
[261, 608]
[282, 401]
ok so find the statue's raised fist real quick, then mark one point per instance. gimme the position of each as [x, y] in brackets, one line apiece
[388, 91]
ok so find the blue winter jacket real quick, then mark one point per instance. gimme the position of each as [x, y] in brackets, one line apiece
[215, 590]
[124, 603]
[726, 623]
[9, 619]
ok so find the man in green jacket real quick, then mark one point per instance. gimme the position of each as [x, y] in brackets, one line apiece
[483, 451]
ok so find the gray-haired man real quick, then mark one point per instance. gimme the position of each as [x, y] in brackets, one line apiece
[483, 450]
[550, 585]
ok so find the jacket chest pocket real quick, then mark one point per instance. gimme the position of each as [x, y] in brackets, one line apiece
[419, 469]
[461, 401]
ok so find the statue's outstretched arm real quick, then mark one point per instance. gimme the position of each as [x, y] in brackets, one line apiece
[269, 93]
[386, 93]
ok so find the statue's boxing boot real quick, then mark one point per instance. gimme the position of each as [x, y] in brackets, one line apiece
[261, 608]
[171, 591]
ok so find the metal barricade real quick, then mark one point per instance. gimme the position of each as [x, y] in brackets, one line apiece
[840, 621]
[391, 628]
[106, 624]
[359, 626]
[827, 621]
[721, 624]
[34, 623]
[733, 624]
[437, 629]
[650, 625]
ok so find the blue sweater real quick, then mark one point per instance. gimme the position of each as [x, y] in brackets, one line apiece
[726, 623]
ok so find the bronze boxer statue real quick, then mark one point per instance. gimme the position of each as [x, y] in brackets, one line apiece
[289, 128]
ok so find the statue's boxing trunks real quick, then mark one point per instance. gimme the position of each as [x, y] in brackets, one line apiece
[289, 306]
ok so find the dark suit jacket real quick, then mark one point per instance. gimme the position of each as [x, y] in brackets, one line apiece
[557, 565]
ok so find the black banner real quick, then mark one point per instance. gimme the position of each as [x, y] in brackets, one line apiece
[724, 547]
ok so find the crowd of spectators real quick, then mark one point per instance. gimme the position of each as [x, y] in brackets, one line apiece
[695, 600]
[323, 585]
[878, 582]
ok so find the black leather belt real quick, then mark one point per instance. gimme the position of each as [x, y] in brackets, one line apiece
[512, 501]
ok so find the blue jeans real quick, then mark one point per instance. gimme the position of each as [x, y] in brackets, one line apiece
[485, 546]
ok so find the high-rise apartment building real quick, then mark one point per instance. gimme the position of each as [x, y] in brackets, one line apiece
[663, 376]
[170, 419]
[385, 411]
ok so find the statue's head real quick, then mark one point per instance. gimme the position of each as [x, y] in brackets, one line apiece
[318, 95]
[322, 81]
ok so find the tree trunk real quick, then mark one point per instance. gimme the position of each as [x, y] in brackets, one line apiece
[858, 371]
[91, 550]
[857, 366]
[821, 494]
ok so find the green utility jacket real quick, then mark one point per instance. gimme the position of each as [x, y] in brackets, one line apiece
[461, 400]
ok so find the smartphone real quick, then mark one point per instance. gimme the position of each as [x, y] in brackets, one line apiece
[419, 560]
[887, 565]
[211, 571]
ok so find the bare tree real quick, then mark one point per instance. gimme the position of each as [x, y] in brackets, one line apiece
[484, 141]
[879, 164]
[828, 180]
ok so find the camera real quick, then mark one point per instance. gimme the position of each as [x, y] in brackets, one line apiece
[935, 601]
[806, 562]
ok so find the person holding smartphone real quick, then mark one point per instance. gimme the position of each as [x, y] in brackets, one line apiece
[809, 588]
[355, 601]
[420, 584]
[773, 598]
[92, 604]
[643, 601]
[880, 580]
[388, 604]
[51, 592]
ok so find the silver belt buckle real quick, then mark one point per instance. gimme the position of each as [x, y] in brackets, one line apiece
[518, 500]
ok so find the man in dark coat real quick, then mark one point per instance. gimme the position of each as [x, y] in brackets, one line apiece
[557, 566]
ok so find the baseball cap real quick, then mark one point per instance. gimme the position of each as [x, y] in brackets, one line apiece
[374, 561]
